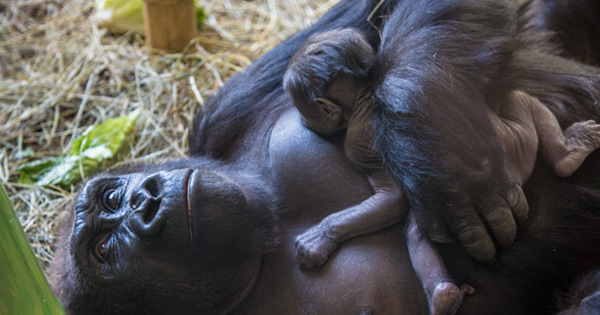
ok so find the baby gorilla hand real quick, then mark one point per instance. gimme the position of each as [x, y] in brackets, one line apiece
[314, 246]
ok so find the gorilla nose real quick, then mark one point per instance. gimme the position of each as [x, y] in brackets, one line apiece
[145, 204]
[147, 197]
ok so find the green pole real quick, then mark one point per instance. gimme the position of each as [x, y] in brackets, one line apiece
[23, 286]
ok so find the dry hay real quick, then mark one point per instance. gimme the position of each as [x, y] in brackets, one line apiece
[60, 73]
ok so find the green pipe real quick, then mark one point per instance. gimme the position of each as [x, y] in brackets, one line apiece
[23, 286]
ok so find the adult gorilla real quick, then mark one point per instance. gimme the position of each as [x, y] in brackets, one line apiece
[215, 234]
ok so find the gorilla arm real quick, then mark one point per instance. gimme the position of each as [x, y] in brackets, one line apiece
[433, 132]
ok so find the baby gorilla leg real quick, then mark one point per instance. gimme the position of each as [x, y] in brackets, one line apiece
[443, 295]
[580, 139]
[566, 151]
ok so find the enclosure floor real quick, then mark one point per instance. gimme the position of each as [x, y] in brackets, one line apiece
[61, 73]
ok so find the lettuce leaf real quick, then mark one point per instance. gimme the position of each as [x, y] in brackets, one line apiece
[97, 145]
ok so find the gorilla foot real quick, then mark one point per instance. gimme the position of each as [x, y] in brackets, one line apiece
[581, 139]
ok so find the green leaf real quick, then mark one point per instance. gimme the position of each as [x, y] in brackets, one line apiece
[88, 152]
[24, 288]
[31, 171]
[120, 16]
[109, 134]
[200, 15]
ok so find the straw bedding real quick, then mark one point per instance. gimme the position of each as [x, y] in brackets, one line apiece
[60, 73]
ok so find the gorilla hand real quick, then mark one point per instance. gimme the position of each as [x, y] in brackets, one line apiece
[477, 220]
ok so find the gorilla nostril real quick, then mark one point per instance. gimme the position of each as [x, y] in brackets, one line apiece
[151, 210]
[153, 186]
[147, 198]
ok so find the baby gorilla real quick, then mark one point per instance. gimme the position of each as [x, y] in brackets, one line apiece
[328, 83]
[525, 126]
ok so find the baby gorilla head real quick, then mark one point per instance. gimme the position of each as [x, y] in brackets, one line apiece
[327, 79]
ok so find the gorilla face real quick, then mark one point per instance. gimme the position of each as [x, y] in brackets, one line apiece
[150, 238]
[133, 215]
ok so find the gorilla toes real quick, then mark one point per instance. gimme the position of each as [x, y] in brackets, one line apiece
[584, 134]
[314, 246]
[581, 139]
[447, 298]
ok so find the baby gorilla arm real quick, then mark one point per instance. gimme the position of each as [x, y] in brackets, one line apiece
[384, 208]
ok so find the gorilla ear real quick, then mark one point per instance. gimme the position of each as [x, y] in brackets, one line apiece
[330, 108]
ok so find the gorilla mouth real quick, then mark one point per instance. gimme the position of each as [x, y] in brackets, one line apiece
[189, 206]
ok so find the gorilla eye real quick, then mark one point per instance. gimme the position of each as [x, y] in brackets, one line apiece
[110, 199]
[102, 249]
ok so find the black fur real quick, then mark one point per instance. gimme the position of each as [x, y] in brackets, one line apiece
[575, 25]
[431, 71]
[441, 68]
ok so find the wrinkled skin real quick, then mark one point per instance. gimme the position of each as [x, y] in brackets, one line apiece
[264, 184]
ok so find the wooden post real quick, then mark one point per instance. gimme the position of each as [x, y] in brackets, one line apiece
[169, 24]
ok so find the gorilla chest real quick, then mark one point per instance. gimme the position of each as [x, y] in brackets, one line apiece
[312, 173]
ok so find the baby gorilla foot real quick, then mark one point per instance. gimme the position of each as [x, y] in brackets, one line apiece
[447, 297]
[314, 246]
[581, 139]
